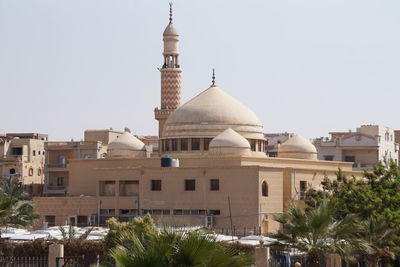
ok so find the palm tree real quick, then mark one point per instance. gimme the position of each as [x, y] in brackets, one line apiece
[168, 248]
[382, 239]
[14, 210]
[317, 233]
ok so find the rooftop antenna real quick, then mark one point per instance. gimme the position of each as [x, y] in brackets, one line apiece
[213, 78]
[170, 12]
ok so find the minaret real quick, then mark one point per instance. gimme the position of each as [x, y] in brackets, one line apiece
[170, 75]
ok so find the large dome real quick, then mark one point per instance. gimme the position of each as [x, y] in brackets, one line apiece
[210, 113]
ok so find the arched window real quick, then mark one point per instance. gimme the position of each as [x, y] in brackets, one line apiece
[264, 189]
[30, 171]
[39, 172]
[12, 171]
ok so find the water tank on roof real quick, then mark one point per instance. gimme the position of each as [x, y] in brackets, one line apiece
[169, 162]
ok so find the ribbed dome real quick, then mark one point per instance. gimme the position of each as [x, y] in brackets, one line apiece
[229, 138]
[170, 30]
[127, 141]
[297, 147]
[210, 113]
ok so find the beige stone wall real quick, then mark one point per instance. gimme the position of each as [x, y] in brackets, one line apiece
[104, 136]
[64, 207]
[240, 179]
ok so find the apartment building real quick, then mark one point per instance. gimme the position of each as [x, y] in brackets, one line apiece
[364, 147]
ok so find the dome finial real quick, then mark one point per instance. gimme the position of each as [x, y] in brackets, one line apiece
[170, 12]
[213, 78]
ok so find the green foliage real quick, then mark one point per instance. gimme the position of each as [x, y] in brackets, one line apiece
[14, 210]
[375, 198]
[70, 234]
[380, 237]
[141, 226]
[376, 195]
[317, 232]
[167, 248]
[40, 247]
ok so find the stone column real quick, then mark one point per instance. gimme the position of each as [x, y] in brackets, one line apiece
[55, 250]
[261, 257]
[333, 260]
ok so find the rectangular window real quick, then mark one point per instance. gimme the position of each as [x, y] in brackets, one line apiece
[214, 184]
[166, 145]
[107, 212]
[184, 144]
[328, 157]
[17, 150]
[60, 181]
[128, 188]
[51, 220]
[155, 185]
[178, 212]
[157, 212]
[128, 212]
[107, 188]
[82, 220]
[350, 158]
[253, 145]
[303, 189]
[195, 143]
[214, 212]
[34, 152]
[190, 185]
[174, 144]
[207, 143]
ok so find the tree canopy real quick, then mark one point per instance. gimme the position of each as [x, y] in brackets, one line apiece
[376, 194]
[15, 210]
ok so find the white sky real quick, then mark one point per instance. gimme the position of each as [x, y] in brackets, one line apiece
[306, 66]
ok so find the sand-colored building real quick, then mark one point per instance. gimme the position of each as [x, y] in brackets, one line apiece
[22, 155]
[364, 147]
[58, 155]
[216, 172]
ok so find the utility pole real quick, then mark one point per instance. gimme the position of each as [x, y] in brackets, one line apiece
[230, 216]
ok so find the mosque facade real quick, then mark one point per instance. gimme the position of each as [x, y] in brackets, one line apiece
[217, 173]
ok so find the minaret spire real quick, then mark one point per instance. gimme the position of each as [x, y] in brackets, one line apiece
[170, 12]
[213, 78]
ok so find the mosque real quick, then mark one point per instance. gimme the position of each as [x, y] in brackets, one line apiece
[211, 169]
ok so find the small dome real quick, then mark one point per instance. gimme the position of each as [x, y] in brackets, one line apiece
[127, 141]
[229, 138]
[297, 147]
[210, 113]
[170, 30]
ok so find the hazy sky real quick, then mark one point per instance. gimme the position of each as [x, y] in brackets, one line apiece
[306, 66]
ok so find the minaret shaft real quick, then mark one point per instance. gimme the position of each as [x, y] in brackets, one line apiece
[171, 82]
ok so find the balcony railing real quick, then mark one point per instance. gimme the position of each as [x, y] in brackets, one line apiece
[11, 158]
[51, 189]
[56, 165]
